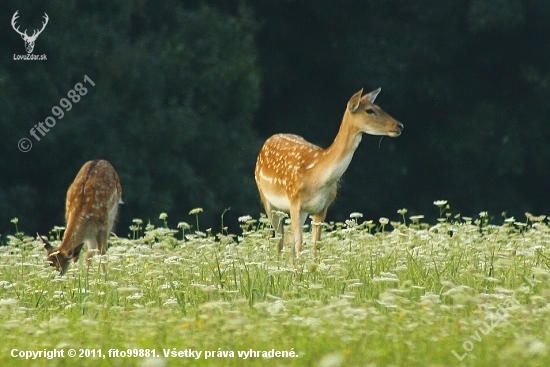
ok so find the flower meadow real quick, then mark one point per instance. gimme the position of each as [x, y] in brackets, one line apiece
[461, 291]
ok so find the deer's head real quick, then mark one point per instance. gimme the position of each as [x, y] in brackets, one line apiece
[371, 119]
[29, 40]
[58, 258]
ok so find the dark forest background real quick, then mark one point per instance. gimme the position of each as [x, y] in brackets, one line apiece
[186, 93]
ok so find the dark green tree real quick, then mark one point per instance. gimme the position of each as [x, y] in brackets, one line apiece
[175, 93]
[469, 79]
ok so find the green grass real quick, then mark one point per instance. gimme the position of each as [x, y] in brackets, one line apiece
[399, 294]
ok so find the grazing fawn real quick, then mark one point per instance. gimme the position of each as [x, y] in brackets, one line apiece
[90, 211]
[296, 176]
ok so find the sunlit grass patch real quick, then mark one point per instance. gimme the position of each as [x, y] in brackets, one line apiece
[376, 292]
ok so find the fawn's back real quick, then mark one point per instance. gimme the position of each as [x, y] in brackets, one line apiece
[90, 212]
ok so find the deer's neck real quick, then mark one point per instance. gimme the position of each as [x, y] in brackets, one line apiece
[337, 157]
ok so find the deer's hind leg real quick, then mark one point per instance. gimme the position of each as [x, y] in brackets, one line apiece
[97, 244]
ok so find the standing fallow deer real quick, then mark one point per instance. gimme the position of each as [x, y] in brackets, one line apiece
[296, 176]
[90, 212]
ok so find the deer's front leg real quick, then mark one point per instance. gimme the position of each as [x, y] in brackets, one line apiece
[318, 218]
[298, 218]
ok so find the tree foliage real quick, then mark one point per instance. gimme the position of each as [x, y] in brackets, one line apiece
[185, 94]
[176, 91]
[469, 80]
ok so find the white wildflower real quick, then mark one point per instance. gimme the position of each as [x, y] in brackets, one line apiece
[416, 218]
[195, 211]
[184, 225]
[245, 218]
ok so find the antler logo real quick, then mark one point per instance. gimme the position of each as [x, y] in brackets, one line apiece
[29, 40]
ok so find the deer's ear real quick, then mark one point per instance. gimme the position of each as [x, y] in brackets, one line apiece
[355, 101]
[372, 95]
[49, 249]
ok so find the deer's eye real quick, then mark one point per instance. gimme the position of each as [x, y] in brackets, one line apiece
[370, 111]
